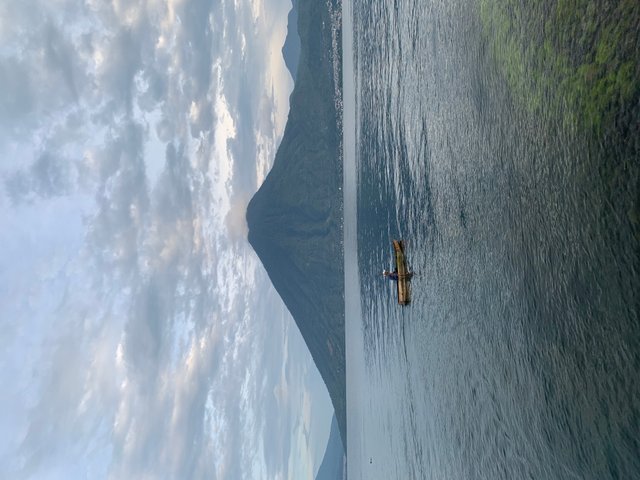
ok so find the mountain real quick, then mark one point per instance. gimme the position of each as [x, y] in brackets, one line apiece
[332, 467]
[291, 47]
[295, 218]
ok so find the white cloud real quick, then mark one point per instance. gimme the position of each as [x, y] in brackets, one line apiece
[235, 220]
[133, 312]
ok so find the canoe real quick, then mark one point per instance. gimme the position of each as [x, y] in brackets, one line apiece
[404, 276]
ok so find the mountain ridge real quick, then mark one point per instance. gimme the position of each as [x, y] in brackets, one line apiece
[295, 217]
[291, 47]
[333, 461]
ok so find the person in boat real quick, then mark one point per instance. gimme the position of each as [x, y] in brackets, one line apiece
[390, 275]
[394, 275]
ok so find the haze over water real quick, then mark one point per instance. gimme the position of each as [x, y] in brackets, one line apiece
[520, 353]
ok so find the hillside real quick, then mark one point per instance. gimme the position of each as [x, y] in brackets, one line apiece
[295, 218]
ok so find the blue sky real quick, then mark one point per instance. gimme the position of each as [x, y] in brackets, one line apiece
[140, 335]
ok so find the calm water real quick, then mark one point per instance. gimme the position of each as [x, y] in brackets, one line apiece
[520, 354]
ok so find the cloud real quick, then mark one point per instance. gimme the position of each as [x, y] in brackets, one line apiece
[48, 176]
[139, 312]
[159, 430]
[118, 64]
[60, 57]
[40, 71]
[18, 99]
[235, 220]
[123, 203]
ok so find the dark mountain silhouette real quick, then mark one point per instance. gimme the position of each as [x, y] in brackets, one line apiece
[332, 467]
[295, 218]
[291, 47]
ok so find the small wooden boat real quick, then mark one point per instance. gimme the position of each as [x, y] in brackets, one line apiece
[404, 275]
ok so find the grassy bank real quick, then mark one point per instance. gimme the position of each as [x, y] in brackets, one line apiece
[578, 58]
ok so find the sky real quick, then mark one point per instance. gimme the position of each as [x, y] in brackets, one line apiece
[140, 336]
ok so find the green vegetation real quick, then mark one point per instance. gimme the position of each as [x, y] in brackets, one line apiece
[578, 58]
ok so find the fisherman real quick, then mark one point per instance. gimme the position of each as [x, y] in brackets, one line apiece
[394, 275]
[391, 275]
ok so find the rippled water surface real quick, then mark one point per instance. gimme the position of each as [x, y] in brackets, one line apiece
[519, 356]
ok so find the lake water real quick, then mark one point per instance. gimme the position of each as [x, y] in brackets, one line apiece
[519, 356]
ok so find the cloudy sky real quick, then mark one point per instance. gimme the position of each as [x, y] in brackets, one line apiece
[139, 334]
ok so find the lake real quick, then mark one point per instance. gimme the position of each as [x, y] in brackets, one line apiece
[519, 356]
